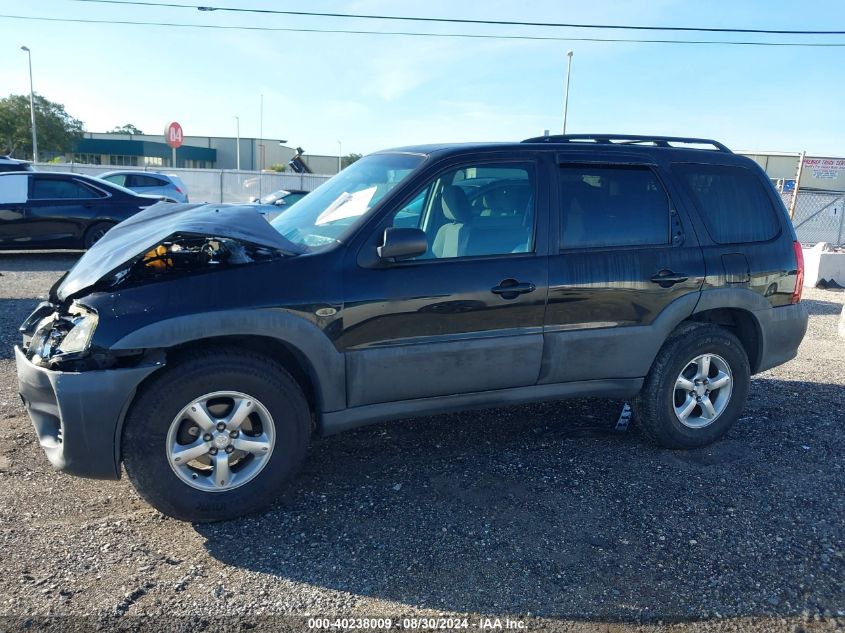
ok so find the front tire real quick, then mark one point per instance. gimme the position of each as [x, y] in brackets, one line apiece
[216, 435]
[696, 388]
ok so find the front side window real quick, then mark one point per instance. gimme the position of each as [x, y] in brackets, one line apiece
[50, 189]
[336, 207]
[474, 211]
[613, 205]
[731, 201]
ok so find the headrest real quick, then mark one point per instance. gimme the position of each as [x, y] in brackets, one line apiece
[455, 204]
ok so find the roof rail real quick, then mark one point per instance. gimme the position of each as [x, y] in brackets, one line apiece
[628, 139]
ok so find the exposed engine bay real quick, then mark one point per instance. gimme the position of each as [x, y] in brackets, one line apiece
[189, 254]
[173, 238]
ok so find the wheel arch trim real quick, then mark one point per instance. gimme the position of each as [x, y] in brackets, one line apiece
[754, 309]
[324, 364]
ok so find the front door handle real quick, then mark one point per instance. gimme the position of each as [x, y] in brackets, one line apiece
[666, 278]
[511, 288]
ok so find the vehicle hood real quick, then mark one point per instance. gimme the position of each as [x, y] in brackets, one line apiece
[147, 229]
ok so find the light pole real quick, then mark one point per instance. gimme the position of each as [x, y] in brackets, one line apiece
[238, 141]
[261, 133]
[566, 95]
[32, 107]
[261, 147]
[339, 154]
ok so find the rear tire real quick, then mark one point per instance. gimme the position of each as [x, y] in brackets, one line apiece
[696, 388]
[160, 425]
[94, 233]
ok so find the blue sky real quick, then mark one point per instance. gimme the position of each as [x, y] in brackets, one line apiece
[372, 92]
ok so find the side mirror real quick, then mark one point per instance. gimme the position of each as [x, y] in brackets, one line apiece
[402, 243]
[280, 202]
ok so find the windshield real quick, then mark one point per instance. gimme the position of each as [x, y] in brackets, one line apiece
[322, 217]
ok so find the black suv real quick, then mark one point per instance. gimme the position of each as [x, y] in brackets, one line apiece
[201, 346]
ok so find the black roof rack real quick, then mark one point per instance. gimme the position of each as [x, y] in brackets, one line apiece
[628, 139]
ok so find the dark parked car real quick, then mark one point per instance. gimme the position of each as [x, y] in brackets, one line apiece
[61, 210]
[201, 347]
[7, 163]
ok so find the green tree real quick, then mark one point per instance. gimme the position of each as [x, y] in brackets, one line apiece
[347, 160]
[128, 128]
[278, 167]
[57, 130]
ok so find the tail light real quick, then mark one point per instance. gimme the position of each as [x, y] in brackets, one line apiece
[799, 277]
[179, 190]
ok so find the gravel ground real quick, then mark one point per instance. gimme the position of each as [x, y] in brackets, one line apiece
[539, 513]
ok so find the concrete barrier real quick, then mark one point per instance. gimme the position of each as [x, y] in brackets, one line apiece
[823, 263]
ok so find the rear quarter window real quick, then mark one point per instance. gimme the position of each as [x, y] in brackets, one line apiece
[731, 201]
[144, 181]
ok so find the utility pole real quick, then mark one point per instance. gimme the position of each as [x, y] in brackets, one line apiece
[32, 107]
[339, 154]
[794, 200]
[566, 94]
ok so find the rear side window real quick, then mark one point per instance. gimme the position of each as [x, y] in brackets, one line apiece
[731, 201]
[603, 206]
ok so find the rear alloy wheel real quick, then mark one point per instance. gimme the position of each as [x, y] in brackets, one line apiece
[696, 388]
[703, 391]
[216, 434]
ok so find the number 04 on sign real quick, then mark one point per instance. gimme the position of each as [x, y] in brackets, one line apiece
[174, 137]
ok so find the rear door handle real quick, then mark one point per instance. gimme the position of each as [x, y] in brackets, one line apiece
[666, 278]
[511, 288]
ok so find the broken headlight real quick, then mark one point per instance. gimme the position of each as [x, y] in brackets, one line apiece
[78, 338]
[66, 334]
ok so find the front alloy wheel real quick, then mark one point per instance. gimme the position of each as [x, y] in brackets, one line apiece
[215, 434]
[220, 441]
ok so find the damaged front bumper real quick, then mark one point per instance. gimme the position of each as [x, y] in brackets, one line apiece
[78, 416]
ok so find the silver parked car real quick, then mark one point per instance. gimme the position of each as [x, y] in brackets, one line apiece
[150, 183]
[281, 198]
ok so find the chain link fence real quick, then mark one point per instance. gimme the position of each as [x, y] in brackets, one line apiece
[212, 185]
[819, 216]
